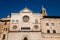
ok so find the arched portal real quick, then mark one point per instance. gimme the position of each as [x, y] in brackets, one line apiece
[25, 38]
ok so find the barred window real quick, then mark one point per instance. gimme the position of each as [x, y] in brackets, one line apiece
[25, 28]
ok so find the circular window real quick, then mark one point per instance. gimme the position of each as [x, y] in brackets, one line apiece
[14, 27]
[25, 18]
[36, 26]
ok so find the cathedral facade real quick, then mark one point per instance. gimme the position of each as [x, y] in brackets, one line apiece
[27, 25]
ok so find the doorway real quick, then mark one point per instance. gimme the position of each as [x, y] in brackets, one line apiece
[25, 38]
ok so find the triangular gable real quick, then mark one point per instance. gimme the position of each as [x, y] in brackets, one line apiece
[26, 10]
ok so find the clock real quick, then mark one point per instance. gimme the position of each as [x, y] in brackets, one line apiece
[36, 26]
[25, 18]
[14, 27]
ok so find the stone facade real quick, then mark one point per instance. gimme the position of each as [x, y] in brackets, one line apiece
[27, 25]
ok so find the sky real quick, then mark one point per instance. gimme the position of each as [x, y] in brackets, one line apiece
[11, 6]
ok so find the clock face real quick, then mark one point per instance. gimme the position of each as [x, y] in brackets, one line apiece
[36, 26]
[14, 27]
[26, 18]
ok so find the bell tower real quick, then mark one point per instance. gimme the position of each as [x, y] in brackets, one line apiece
[43, 11]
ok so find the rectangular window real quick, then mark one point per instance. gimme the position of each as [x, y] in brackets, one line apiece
[4, 36]
[36, 20]
[5, 23]
[5, 29]
[59, 23]
[54, 31]
[12, 21]
[47, 24]
[52, 24]
[48, 31]
[25, 28]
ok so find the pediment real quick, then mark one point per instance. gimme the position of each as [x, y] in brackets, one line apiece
[25, 10]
